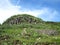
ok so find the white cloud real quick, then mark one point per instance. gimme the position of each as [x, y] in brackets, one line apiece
[7, 10]
[49, 14]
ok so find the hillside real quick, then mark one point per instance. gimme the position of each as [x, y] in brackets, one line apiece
[24, 29]
[22, 18]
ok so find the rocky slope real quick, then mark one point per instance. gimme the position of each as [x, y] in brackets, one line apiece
[22, 18]
[24, 29]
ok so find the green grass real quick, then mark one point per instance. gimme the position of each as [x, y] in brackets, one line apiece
[10, 34]
[15, 33]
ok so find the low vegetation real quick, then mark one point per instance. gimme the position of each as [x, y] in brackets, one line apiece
[24, 29]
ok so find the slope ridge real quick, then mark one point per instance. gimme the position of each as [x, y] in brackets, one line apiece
[22, 18]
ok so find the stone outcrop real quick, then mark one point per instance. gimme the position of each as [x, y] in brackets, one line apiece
[24, 18]
[47, 32]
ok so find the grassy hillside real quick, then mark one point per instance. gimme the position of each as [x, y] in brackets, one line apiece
[24, 29]
[22, 18]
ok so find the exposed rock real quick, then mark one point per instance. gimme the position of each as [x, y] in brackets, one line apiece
[22, 18]
[47, 32]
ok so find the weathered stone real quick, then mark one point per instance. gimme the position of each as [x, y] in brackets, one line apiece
[47, 32]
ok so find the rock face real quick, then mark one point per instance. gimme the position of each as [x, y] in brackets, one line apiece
[22, 18]
[47, 32]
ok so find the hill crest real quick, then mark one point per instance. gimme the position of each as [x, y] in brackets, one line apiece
[22, 18]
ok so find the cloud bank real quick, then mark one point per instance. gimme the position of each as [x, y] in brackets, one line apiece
[7, 9]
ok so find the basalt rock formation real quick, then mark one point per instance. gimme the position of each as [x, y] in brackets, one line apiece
[22, 18]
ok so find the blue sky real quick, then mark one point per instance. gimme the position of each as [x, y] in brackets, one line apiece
[48, 10]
